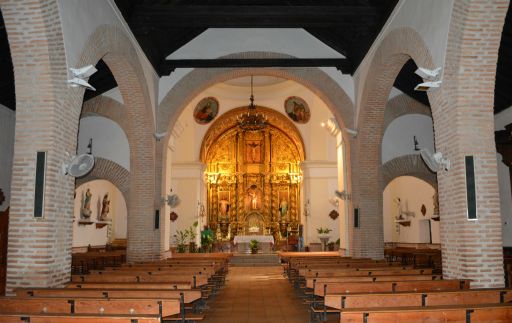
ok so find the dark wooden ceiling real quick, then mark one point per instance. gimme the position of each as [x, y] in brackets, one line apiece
[348, 26]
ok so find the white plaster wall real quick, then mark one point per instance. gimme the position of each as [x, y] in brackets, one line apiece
[430, 18]
[7, 126]
[187, 182]
[500, 121]
[217, 42]
[321, 180]
[108, 140]
[84, 235]
[398, 139]
[80, 19]
[320, 168]
[413, 192]
[319, 145]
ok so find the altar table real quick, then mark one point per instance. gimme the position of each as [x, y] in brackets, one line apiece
[265, 243]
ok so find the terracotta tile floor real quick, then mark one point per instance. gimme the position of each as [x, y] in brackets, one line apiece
[256, 295]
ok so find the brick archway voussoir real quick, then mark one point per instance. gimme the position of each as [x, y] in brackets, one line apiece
[407, 165]
[403, 105]
[110, 171]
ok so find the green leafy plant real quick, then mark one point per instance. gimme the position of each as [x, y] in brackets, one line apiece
[323, 231]
[191, 232]
[207, 239]
[253, 245]
[180, 239]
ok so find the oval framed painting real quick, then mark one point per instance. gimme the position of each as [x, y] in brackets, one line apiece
[297, 109]
[206, 110]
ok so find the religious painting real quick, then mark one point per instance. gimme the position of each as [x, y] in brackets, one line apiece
[224, 205]
[283, 204]
[206, 110]
[253, 151]
[297, 109]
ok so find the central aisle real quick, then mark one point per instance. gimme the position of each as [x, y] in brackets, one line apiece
[259, 295]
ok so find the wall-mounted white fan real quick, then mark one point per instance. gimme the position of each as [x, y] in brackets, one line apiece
[78, 166]
[434, 161]
[173, 200]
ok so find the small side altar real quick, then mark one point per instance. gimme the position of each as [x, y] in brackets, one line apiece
[265, 242]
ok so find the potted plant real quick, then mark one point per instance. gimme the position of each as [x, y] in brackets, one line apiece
[180, 239]
[207, 239]
[192, 237]
[253, 245]
[323, 235]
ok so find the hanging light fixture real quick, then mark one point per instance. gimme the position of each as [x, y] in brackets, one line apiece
[252, 120]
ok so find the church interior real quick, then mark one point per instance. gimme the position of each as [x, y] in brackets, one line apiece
[255, 161]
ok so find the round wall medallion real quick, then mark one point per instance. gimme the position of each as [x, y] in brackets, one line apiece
[297, 109]
[206, 110]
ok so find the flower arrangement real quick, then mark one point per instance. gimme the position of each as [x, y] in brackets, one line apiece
[323, 231]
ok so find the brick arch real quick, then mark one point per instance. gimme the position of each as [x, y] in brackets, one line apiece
[110, 171]
[394, 51]
[198, 80]
[106, 107]
[407, 165]
[111, 44]
[402, 105]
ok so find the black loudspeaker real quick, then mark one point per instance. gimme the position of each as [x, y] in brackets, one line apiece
[470, 187]
[356, 218]
[39, 185]
[157, 219]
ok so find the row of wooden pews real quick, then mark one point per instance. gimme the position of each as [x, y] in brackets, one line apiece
[174, 290]
[82, 263]
[365, 290]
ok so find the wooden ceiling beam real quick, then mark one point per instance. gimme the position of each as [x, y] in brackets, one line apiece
[246, 16]
[342, 64]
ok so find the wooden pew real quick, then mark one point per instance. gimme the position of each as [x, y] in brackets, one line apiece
[311, 282]
[496, 313]
[143, 286]
[162, 307]
[430, 298]
[78, 318]
[190, 295]
[194, 280]
[321, 289]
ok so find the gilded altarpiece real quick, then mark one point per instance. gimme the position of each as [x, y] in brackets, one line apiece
[253, 178]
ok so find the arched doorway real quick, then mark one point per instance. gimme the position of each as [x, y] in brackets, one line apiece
[253, 177]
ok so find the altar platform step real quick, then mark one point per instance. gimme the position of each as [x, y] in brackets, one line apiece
[256, 260]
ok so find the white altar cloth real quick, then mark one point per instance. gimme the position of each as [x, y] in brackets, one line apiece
[247, 239]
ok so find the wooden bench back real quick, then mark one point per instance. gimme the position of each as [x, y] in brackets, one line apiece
[453, 313]
[311, 282]
[189, 295]
[322, 289]
[78, 318]
[432, 298]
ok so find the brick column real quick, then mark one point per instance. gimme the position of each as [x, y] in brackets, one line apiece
[39, 250]
[464, 125]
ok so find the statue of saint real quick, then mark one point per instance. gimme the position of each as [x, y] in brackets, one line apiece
[224, 207]
[283, 208]
[86, 210]
[105, 208]
[254, 200]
